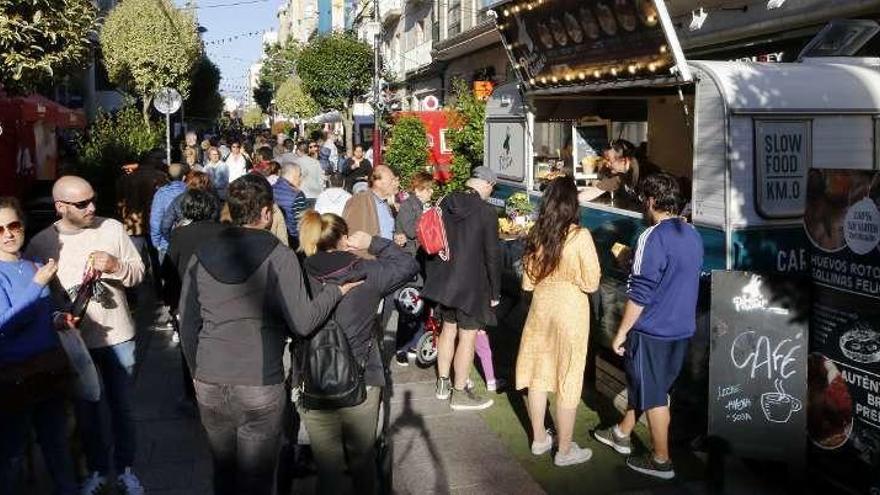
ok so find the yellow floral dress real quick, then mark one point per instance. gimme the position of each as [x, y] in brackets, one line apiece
[553, 351]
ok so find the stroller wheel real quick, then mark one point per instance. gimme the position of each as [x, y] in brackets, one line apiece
[426, 349]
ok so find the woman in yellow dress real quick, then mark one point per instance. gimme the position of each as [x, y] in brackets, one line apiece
[561, 267]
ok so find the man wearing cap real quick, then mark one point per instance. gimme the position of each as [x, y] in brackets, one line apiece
[466, 287]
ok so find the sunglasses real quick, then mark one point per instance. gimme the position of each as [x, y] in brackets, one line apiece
[13, 227]
[80, 205]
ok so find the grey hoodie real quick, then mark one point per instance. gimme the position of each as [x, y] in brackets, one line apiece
[242, 294]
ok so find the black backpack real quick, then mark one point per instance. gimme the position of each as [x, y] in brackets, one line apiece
[330, 376]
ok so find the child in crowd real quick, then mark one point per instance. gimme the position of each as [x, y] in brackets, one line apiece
[411, 209]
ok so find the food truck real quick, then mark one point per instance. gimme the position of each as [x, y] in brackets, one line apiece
[742, 136]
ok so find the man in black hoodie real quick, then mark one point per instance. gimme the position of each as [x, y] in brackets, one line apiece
[242, 294]
[468, 286]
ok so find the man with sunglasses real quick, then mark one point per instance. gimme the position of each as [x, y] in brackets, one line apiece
[83, 242]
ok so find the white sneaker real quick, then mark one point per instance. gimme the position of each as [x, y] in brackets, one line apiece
[575, 455]
[129, 484]
[543, 447]
[94, 484]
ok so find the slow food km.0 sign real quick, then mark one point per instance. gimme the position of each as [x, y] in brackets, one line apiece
[782, 160]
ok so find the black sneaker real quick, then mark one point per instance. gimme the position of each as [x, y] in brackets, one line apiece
[401, 359]
[646, 464]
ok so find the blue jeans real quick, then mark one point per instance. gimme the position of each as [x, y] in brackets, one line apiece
[115, 366]
[244, 427]
[49, 420]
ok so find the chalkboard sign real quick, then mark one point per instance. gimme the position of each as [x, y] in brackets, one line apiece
[757, 367]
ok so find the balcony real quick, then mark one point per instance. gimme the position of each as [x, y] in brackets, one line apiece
[418, 57]
[390, 10]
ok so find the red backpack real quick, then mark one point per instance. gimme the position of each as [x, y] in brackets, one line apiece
[431, 233]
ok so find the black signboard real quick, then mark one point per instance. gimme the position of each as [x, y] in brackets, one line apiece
[842, 221]
[758, 367]
[585, 41]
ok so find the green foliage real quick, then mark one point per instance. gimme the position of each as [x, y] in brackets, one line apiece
[42, 38]
[292, 101]
[111, 141]
[280, 63]
[408, 148]
[518, 204]
[253, 117]
[263, 94]
[205, 102]
[466, 126]
[150, 44]
[335, 69]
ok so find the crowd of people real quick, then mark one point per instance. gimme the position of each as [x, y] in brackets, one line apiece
[258, 248]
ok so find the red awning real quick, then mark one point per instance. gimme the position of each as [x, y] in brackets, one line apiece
[35, 107]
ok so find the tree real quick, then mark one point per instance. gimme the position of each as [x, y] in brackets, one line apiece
[111, 141]
[42, 38]
[292, 101]
[407, 148]
[335, 70]
[467, 122]
[204, 102]
[148, 45]
[263, 95]
[253, 117]
[280, 63]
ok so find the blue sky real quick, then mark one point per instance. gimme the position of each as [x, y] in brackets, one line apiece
[223, 21]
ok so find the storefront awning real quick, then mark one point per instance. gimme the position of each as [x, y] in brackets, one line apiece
[38, 108]
[558, 44]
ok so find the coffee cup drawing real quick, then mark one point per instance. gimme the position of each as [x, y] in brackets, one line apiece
[778, 406]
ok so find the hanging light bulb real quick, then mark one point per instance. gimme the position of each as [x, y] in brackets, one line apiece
[532, 81]
[554, 79]
[582, 75]
[506, 13]
[652, 67]
[597, 74]
[543, 80]
[663, 48]
[568, 77]
[631, 69]
[614, 71]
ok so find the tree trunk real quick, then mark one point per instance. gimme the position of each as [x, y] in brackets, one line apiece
[348, 121]
[148, 100]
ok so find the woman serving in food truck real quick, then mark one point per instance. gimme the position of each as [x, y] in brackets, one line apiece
[741, 137]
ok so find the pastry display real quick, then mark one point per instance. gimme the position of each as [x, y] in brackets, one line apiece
[861, 344]
[647, 12]
[545, 36]
[573, 28]
[830, 411]
[626, 15]
[588, 22]
[558, 30]
[606, 19]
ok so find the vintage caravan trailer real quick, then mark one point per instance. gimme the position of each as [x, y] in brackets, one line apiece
[741, 135]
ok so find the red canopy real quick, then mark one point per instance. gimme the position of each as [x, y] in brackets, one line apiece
[35, 107]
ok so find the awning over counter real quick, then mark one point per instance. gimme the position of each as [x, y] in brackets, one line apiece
[34, 108]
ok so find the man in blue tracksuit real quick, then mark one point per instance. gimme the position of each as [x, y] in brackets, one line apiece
[658, 321]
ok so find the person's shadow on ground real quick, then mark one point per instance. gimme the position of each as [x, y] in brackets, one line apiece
[410, 419]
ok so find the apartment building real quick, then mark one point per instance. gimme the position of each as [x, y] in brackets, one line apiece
[426, 44]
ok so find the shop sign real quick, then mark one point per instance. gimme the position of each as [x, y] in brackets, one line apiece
[506, 153]
[483, 89]
[757, 367]
[563, 42]
[843, 225]
[782, 159]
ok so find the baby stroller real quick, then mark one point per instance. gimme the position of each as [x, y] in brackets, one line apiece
[420, 316]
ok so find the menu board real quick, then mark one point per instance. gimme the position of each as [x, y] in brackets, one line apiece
[758, 367]
[566, 37]
[842, 222]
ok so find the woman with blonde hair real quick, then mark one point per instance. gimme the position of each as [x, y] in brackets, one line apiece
[343, 440]
[561, 267]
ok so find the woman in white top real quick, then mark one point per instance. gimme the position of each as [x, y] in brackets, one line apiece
[334, 198]
[236, 162]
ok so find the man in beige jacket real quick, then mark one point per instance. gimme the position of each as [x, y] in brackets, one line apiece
[82, 241]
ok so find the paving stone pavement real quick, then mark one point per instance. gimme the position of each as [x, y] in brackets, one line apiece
[435, 450]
